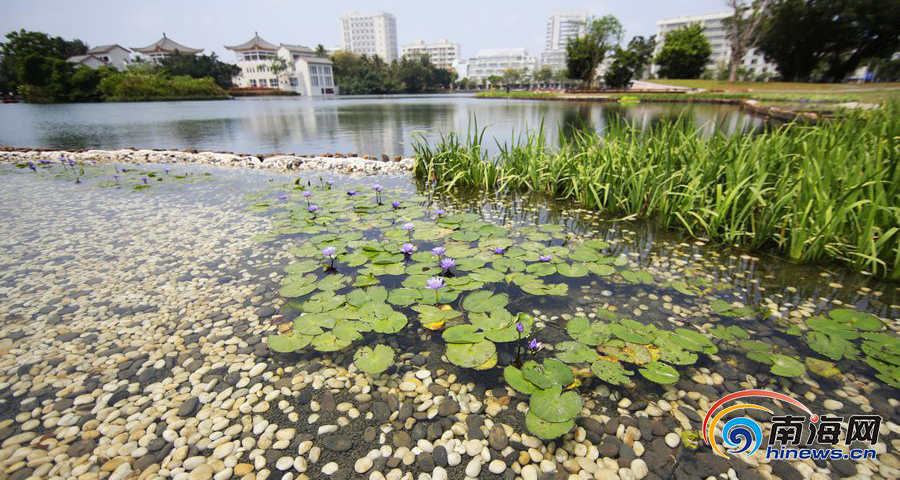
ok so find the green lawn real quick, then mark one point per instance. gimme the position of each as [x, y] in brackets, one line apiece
[775, 86]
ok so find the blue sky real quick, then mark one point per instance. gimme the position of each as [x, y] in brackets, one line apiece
[210, 25]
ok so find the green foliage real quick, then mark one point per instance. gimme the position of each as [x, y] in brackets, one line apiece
[200, 66]
[128, 87]
[827, 40]
[23, 46]
[585, 53]
[810, 192]
[629, 63]
[362, 74]
[375, 360]
[684, 53]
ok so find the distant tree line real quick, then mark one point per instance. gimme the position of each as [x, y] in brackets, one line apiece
[35, 66]
[807, 40]
[364, 74]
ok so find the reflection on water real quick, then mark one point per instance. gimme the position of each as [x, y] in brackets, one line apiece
[367, 126]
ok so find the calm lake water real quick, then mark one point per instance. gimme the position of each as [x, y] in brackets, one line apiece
[367, 126]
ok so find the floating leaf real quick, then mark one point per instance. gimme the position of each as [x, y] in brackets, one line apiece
[659, 372]
[465, 333]
[628, 335]
[404, 296]
[374, 360]
[693, 340]
[822, 368]
[547, 430]
[288, 342]
[328, 342]
[471, 355]
[484, 301]
[611, 372]
[589, 333]
[554, 406]
[303, 266]
[515, 380]
[575, 352]
[572, 270]
[786, 366]
[855, 319]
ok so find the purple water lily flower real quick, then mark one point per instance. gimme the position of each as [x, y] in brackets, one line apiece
[406, 248]
[167, 170]
[519, 327]
[434, 283]
[438, 251]
[329, 251]
[45, 161]
[408, 226]
[535, 345]
[545, 258]
[144, 179]
[396, 205]
[307, 193]
[330, 183]
[313, 208]
[116, 176]
[71, 162]
[439, 212]
[499, 250]
[282, 197]
[378, 188]
[32, 167]
[447, 263]
[351, 192]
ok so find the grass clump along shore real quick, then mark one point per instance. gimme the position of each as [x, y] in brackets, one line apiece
[810, 192]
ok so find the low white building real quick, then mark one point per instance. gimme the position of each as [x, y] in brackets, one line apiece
[115, 56]
[491, 62]
[162, 48]
[290, 68]
[442, 54]
[714, 29]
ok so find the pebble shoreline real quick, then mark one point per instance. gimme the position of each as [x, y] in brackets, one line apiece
[347, 164]
[116, 368]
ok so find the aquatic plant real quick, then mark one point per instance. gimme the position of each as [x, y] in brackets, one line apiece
[811, 192]
[389, 277]
[374, 360]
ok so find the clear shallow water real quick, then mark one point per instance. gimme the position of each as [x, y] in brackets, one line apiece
[367, 126]
[138, 289]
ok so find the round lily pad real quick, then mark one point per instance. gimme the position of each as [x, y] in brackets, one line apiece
[288, 342]
[471, 355]
[552, 405]
[547, 430]
[659, 372]
[374, 360]
[610, 372]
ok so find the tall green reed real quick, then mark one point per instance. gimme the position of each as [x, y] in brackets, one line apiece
[811, 192]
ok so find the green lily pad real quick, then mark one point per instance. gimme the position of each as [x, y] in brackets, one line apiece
[786, 366]
[484, 301]
[659, 372]
[572, 270]
[375, 360]
[551, 372]
[855, 319]
[333, 282]
[547, 430]
[465, 333]
[404, 296]
[628, 335]
[552, 405]
[693, 340]
[329, 342]
[303, 266]
[822, 368]
[471, 355]
[575, 352]
[514, 378]
[586, 332]
[288, 342]
[611, 372]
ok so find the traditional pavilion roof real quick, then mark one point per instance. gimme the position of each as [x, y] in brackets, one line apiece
[106, 48]
[166, 45]
[255, 43]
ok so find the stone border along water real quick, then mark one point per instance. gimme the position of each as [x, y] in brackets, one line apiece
[348, 164]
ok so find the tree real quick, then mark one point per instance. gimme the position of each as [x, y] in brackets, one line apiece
[543, 75]
[23, 44]
[320, 51]
[831, 37]
[629, 63]
[201, 66]
[585, 53]
[642, 48]
[741, 30]
[684, 53]
[512, 76]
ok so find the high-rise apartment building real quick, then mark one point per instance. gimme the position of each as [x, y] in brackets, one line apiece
[442, 54]
[370, 34]
[562, 27]
[714, 29]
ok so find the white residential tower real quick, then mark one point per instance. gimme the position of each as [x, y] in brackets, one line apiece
[561, 28]
[370, 34]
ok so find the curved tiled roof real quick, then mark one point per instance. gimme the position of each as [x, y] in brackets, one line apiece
[167, 45]
[255, 43]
